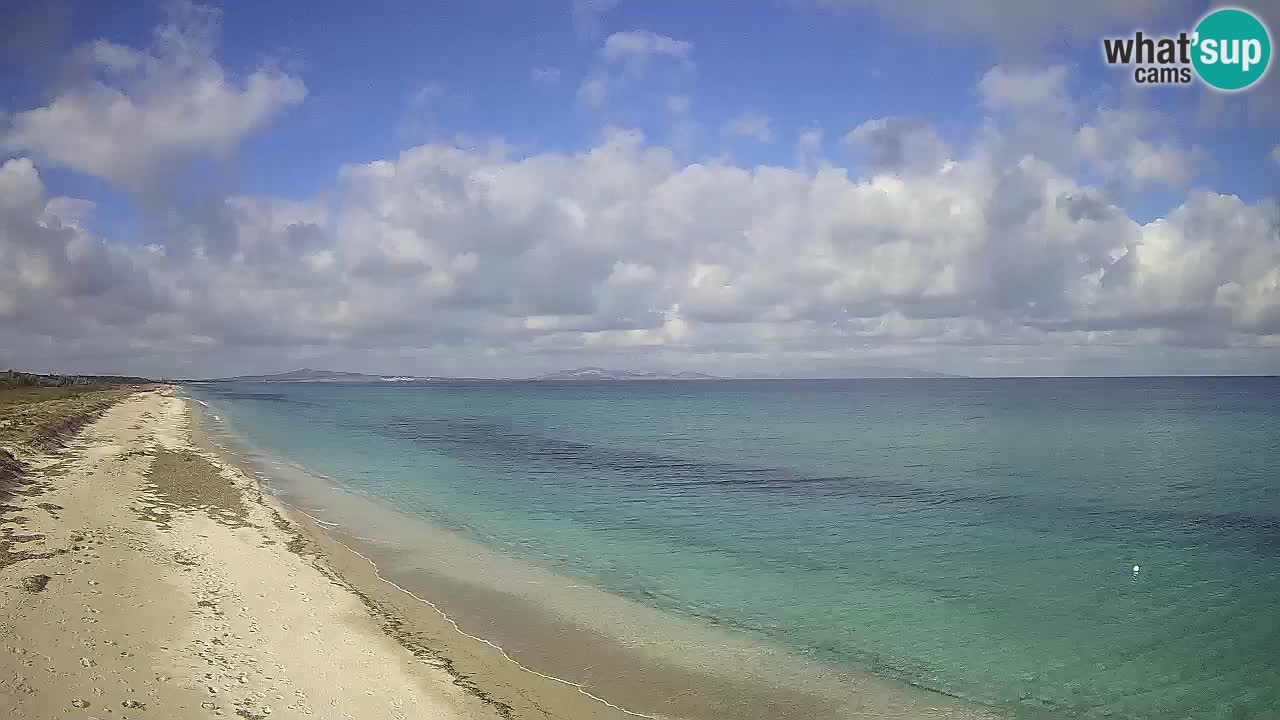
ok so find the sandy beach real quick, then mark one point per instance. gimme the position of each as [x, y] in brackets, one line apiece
[152, 581]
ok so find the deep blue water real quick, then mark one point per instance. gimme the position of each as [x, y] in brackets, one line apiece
[971, 536]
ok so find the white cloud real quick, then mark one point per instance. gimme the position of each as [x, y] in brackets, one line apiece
[640, 45]
[1131, 147]
[682, 129]
[1113, 142]
[594, 92]
[622, 250]
[57, 278]
[20, 186]
[427, 107]
[625, 58]
[150, 109]
[809, 149]
[1148, 164]
[896, 143]
[1039, 90]
[752, 125]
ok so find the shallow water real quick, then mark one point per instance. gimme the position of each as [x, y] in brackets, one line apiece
[976, 537]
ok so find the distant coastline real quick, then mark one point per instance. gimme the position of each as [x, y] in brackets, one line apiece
[588, 374]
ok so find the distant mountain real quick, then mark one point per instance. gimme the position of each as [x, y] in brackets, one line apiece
[855, 373]
[599, 374]
[306, 375]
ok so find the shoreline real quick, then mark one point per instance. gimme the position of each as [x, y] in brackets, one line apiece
[158, 573]
[777, 683]
[361, 575]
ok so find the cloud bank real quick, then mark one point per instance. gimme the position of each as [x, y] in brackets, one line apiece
[987, 258]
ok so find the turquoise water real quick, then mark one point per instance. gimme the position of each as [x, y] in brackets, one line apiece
[976, 537]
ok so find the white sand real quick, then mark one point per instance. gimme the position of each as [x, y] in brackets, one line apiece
[155, 609]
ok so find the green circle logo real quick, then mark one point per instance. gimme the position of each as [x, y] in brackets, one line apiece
[1232, 49]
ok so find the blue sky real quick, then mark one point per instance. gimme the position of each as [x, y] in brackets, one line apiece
[745, 88]
[802, 65]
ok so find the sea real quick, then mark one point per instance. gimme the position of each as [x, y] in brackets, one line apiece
[1065, 548]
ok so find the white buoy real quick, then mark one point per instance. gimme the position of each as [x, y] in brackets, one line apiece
[1136, 569]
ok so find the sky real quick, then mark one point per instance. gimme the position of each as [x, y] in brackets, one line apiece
[783, 187]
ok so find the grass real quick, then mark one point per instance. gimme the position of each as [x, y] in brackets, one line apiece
[34, 418]
[38, 414]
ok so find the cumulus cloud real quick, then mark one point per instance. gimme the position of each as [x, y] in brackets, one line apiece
[1206, 272]
[809, 149]
[625, 58]
[989, 257]
[1131, 147]
[899, 144]
[620, 250]
[640, 45]
[1021, 89]
[1112, 142]
[138, 112]
[57, 278]
[752, 125]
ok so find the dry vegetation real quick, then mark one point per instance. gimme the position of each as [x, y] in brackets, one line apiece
[35, 418]
[37, 414]
[39, 418]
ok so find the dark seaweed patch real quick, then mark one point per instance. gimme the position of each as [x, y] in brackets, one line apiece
[35, 583]
[538, 454]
